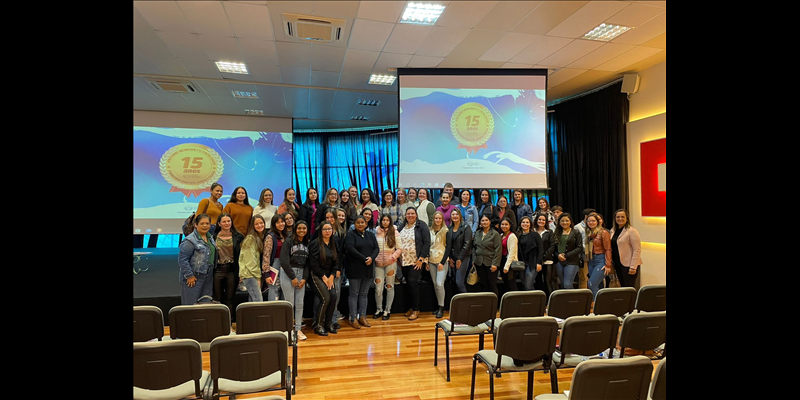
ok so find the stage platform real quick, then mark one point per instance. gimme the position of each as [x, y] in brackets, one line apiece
[156, 282]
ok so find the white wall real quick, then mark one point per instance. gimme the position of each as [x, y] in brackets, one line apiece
[648, 121]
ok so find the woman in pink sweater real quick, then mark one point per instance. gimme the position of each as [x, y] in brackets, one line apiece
[626, 249]
[385, 265]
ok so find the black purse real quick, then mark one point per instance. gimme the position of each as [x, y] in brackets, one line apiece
[518, 266]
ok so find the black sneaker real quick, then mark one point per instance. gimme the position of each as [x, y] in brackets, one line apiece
[386, 315]
[377, 314]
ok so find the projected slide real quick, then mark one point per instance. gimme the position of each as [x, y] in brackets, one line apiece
[476, 131]
[173, 169]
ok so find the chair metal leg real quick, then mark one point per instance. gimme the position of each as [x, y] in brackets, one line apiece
[480, 343]
[530, 385]
[554, 378]
[491, 384]
[447, 354]
[472, 388]
[436, 347]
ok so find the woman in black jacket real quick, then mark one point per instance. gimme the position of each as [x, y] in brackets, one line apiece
[541, 224]
[309, 210]
[565, 250]
[324, 264]
[461, 248]
[415, 242]
[488, 254]
[531, 251]
[294, 263]
[361, 247]
[226, 274]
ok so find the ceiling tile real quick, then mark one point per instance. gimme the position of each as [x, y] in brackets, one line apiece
[369, 35]
[221, 48]
[541, 48]
[563, 75]
[162, 15]
[327, 58]
[360, 61]
[386, 11]
[547, 16]
[627, 58]
[464, 14]
[505, 15]
[636, 14]
[249, 21]
[183, 45]
[646, 31]
[296, 76]
[587, 18]
[325, 78]
[207, 17]
[571, 52]
[424, 62]
[508, 46]
[406, 38]
[390, 60]
[603, 54]
[296, 55]
[471, 48]
[441, 41]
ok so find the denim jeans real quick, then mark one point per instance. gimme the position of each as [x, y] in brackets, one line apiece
[530, 276]
[566, 274]
[295, 296]
[202, 287]
[438, 277]
[384, 279]
[357, 299]
[461, 275]
[253, 290]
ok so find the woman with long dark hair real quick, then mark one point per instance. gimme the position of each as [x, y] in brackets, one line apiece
[626, 249]
[368, 201]
[541, 227]
[598, 253]
[565, 250]
[531, 251]
[323, 260]
[310, 208]
[441, 241]
[385, 266]
[265, 206]
[461, 249]
[361, 248]
[488, 251]
[211, 205]
[289, 204]
[250, 258]
[510, 253]
[273, 242]
[294, 263]
[226, 274]
[239, 209]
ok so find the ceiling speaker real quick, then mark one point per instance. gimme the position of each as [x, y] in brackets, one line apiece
[630, 83]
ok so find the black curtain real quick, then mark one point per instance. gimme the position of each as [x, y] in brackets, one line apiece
[588, 145]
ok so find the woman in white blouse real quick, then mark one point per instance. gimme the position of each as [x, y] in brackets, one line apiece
[509, 241]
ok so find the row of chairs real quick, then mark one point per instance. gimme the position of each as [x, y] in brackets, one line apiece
[581, 331]
[204, 323]
[240, 364]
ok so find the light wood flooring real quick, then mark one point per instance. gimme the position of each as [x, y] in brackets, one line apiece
[394, 360]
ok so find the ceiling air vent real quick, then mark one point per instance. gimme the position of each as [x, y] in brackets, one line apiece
[311, 28]
[173, 86]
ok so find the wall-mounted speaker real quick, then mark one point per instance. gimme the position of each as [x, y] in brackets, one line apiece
[630, 83]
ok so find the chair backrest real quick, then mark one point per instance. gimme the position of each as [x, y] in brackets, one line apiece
[249, 357]
[264, 316]
[644, 331]
[527, 338]
[167, 364]
[614, 379]
[523, 303]
[588, 335]
[617, 301]
[201, 322]
[658, 389]
[148, 323]
[652, 298]
[473, 308]
[565, 303]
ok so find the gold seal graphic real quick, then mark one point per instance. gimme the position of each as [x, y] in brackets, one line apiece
[472, 125]
[190, 168]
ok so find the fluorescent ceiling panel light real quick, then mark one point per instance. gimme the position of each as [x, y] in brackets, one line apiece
[606, 32]
[231, 67]
[381, 79]
[422, 13]
[239, 94]
[254, 112]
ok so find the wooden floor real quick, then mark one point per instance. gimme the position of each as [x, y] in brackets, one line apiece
[394, 360]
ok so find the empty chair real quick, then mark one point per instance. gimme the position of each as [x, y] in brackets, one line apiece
[148, 323]
[658, 388]
[617, 301]
[250, 363]
[170, 369]
[470, 314]
[616, 379]
[523, 345]
[266, 316]
[584, 337]
[521, 303]
[652, 298]
[565, 303]
[643, 332]
[201, 322]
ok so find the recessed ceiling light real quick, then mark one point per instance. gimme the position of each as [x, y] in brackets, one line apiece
[381, 79]
[239, 94]
[231, 67]
[606, 32]
[254, 112]
[359, 118]
[422, 13]
[368, 102]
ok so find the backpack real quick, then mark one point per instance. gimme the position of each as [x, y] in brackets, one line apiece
[188, 225]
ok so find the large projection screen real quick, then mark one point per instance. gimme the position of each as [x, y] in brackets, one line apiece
[474, 128]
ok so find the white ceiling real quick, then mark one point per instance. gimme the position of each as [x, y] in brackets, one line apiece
[318, 84]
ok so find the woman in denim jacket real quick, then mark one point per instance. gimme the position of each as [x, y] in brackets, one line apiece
[197, 258]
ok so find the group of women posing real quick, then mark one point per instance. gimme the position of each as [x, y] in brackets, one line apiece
[275, 251]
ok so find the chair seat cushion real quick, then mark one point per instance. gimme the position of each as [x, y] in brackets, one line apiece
[552, 396]
[183, 390]
[462, 329]
[257, 385]
[507, 363]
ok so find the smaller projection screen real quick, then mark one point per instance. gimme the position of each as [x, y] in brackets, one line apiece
[173, 169]
[474, 128]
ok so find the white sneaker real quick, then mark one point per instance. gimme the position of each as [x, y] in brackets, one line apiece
[301, 335]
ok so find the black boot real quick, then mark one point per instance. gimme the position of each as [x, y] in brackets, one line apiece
[332, 329]
[440, 312]
[319, 330]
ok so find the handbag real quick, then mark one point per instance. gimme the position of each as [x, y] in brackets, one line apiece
[614, 281]
[472, 277]
[188, 224]
[518, 266]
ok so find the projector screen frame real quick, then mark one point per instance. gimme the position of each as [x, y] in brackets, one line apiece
[543, 72]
